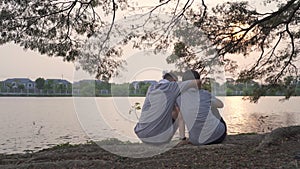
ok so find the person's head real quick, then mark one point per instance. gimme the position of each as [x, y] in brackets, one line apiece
[170, 76]
[190, 75]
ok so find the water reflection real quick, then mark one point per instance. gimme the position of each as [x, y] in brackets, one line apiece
[36, 123]
[244, 117]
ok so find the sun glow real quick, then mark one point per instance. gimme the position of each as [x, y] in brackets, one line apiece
[238, 31]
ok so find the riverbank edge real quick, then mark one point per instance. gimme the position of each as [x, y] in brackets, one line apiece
[279, 149]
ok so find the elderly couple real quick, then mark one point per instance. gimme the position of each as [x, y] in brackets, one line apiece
[171, 105]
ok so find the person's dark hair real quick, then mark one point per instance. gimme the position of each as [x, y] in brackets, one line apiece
[190, 75]
[170, 76]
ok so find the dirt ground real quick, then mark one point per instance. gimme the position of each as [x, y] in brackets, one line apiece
[237, 152]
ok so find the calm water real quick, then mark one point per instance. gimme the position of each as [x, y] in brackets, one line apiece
[36, 123]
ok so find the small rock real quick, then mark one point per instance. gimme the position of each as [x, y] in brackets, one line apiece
[297, 156]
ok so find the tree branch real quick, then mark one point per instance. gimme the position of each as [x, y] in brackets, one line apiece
[111, 26]
[68, 18]
[292, 43]
[227, 48]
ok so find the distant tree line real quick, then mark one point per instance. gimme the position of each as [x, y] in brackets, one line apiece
[289, 86]
[40, 86]
[102, 88]
[53, 86]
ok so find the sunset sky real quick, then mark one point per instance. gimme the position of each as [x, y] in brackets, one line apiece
[16, 62]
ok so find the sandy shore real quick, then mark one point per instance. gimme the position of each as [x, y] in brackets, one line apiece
[238, 151]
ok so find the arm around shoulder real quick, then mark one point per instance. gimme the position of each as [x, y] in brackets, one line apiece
[185, 85]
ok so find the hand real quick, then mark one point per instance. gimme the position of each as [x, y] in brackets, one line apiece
[184, 142]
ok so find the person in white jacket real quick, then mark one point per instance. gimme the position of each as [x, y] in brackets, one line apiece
[199, 109]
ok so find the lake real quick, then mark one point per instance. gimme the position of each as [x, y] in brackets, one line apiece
[29, 123]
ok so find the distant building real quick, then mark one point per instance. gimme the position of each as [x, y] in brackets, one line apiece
[137, 85]
[230, 81]
[104, 91]
[59, 82]
[87, 81]
[80, 86]
[15, 83]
